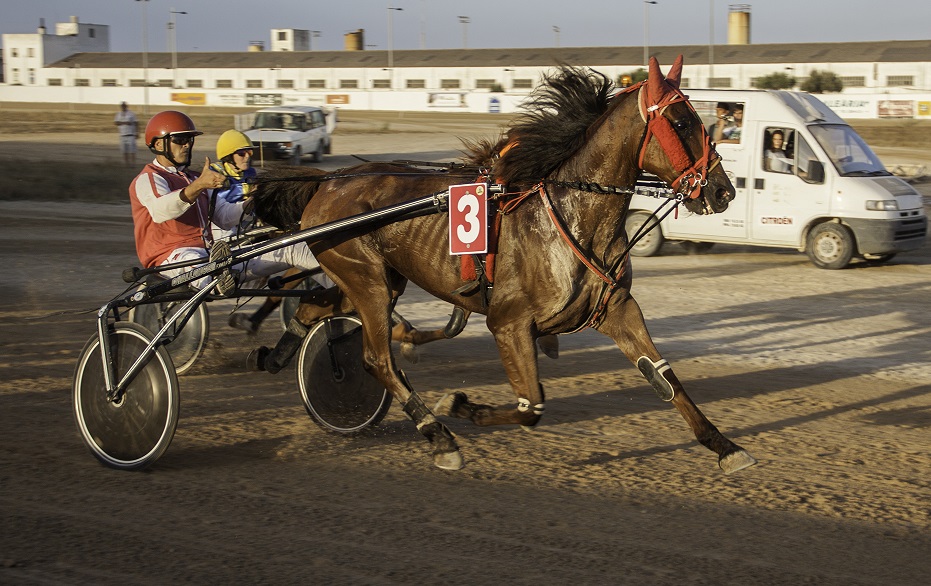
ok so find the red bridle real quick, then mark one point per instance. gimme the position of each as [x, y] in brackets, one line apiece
[692, 175]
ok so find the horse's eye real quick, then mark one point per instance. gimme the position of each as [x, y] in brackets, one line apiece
[680, 124]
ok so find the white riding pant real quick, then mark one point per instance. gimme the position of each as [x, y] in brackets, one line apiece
[271, 263]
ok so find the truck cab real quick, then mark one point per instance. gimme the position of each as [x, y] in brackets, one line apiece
[804, 179]
[290, 132]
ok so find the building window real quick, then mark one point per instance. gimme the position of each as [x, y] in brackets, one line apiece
[15, 76]
[282, 35]
[900, 80]
[853, 81]
[108, 83]
[30, 52]
[348, 84]
[165, 83]
[416, 84]
[684, 82]
[484, 84]
[195, 83]
[381, 84]
[14, 52]
[253, 83]
[54, 81]
[285, 83]
[32, 76]
[724, 82]
[522, 84]
[316, 83]
[82, 82]
[136, 83]
[91, 33]
[224, 83]
[450, 84]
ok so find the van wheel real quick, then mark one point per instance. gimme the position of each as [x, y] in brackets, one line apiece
[830, 246]
[318, 154]
[693, 247]
[296, 156]
[650, 243]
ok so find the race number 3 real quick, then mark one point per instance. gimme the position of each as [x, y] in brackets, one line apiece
[468, 218]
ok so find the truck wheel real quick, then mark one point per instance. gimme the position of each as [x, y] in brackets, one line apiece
[830, 246]
[296, 156]
[651, 242]
[695, 247]
[318, 153]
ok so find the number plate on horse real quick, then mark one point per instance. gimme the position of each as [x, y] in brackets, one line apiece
[468, 218]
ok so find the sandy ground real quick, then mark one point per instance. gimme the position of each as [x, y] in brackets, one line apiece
[824, 376]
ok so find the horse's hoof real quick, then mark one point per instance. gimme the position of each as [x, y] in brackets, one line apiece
[448, 403]
[255, 361]
[736, 461]
[409, 352]
[448, 460]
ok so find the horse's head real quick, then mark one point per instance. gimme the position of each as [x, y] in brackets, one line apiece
[676, 147]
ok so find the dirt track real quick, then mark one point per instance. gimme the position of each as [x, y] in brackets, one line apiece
[824, 376]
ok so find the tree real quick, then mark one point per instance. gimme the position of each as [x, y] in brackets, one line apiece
[632, 77]
[822, 82]
[775, 81]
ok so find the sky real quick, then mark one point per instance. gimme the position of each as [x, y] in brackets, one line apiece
[229, 25]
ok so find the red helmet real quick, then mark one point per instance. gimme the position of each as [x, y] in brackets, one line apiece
[167, 123]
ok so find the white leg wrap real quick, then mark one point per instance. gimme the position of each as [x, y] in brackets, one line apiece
[523, 405]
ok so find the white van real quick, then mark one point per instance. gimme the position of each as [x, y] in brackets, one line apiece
[290, 132]
[804, 180]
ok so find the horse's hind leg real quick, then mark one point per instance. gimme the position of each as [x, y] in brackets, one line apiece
[371, 295]
[410, 337]
[624, 324]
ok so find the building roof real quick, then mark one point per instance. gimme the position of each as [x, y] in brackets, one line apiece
[858, 52]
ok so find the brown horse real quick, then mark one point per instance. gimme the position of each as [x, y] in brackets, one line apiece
[561, 261]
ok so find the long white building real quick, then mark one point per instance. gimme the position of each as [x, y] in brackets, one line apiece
[44, 68]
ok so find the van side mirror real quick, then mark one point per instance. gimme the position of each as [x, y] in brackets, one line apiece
[815, 172]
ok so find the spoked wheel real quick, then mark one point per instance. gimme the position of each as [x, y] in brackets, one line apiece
[135, 430]
[191, 341]
[338, 393]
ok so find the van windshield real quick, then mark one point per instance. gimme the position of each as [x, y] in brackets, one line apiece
[851, 156]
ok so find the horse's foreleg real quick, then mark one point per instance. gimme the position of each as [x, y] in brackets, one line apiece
[518, 355]
[624, 324]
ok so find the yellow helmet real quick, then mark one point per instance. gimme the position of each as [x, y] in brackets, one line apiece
[230, 142]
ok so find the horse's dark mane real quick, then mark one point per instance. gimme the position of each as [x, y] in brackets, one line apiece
[554, 124]
[280, 202]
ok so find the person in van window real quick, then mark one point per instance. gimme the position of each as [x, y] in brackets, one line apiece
[774, 158]
[729, 131]
[723, 119]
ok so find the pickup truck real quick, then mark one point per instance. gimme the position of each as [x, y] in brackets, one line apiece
[290, 132]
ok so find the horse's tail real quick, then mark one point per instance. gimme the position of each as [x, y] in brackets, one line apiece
[282, 194]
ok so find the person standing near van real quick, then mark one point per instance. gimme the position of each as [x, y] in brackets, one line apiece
[126, 124]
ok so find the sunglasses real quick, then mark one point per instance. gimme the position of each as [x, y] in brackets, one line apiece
[243, 152]
[182, 139]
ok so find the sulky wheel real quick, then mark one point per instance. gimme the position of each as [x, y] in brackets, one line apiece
[338, 393]
[191, 341]
[135, 430]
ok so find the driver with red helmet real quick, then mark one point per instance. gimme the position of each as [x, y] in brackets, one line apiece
[171, 208]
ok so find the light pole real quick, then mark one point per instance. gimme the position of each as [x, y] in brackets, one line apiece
[145, 59]
[391, 10]
[465, 31]
[556, 32]
[646, 31]
[711, 44]
[173, 39]
[313, 35]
